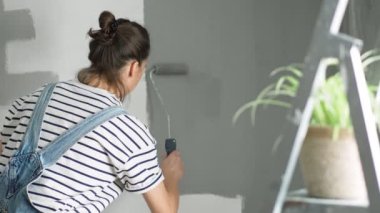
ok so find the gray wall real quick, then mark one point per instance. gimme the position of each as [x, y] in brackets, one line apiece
[230, 48]
[363, 22]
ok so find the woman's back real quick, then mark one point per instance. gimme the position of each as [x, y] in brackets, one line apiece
[85, 177]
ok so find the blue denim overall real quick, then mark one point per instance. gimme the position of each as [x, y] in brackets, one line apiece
[27, 164]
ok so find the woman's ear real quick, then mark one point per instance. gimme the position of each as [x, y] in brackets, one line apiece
[130, 70]
[132, 73]
[133, 68]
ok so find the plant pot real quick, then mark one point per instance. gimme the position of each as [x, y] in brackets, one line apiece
[332, 168]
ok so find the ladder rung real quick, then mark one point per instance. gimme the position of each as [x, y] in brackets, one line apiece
[301, 196]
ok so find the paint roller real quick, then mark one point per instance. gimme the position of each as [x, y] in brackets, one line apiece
[166, 69]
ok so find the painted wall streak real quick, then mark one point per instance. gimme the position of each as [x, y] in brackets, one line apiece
[22, 29]
[46, 41]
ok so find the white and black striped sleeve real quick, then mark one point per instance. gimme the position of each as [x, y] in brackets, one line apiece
[142, 171]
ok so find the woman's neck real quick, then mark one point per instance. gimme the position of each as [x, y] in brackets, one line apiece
[102, 84]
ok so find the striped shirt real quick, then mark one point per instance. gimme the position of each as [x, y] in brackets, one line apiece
[118, 155]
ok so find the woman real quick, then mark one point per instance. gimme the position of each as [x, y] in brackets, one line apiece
[120, 154]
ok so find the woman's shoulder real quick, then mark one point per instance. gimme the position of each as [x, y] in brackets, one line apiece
[130, 127]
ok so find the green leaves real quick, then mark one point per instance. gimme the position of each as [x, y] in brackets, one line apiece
[331, 106]
[285, 86]
[330, 101]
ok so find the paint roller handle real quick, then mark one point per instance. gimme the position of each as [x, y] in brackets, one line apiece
[170, 145]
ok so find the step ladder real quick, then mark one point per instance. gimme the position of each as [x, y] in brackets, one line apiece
[329, 44]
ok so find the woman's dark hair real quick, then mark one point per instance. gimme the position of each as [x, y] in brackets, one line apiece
[111, 47]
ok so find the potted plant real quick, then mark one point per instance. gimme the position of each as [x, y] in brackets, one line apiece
[329, 159]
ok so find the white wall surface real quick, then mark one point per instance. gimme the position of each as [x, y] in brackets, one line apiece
[197, 203]
[61, 45]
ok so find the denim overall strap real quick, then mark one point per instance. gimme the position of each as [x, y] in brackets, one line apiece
[53, 151]
[32, 135]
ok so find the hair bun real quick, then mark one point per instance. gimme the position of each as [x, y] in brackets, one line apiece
[106, 32]
[106, 19]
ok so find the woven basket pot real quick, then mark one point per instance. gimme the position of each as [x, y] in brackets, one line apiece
[332, 168]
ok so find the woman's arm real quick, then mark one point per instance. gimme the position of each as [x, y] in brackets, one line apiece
[159, 200]
[164, 198]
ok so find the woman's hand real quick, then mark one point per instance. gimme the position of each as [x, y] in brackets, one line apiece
[172, 167]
